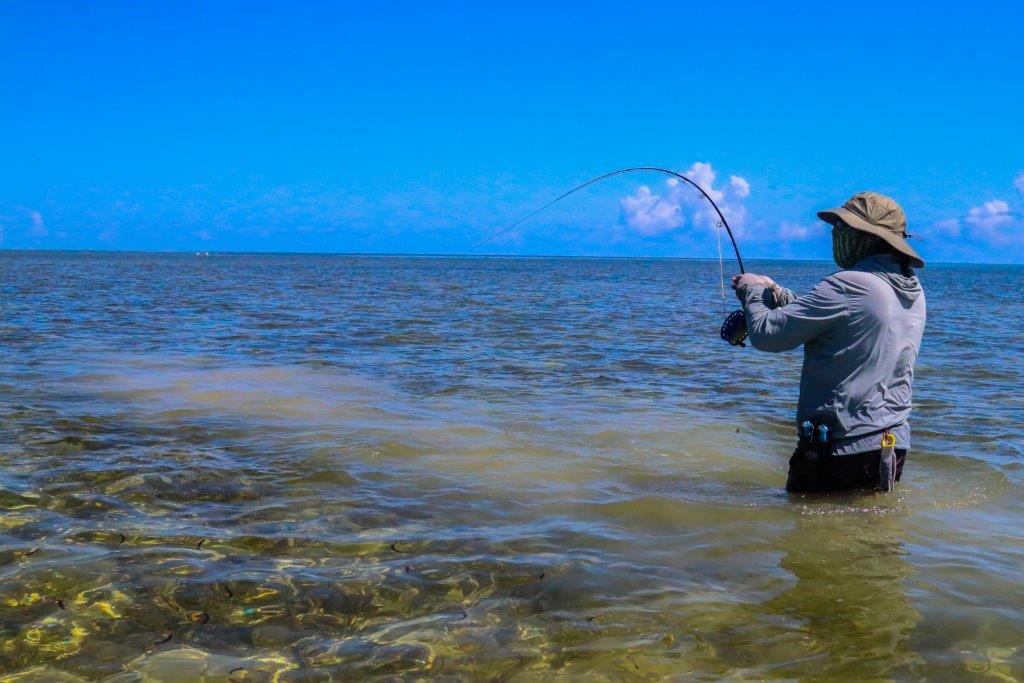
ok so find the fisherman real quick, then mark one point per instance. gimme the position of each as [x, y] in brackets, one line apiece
[861, 330]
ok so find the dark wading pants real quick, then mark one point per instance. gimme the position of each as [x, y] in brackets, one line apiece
[834, 473]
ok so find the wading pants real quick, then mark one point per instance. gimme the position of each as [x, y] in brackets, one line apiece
[833, 473]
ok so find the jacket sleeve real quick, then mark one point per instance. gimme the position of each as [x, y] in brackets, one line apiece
[806, 317]
[778, 297]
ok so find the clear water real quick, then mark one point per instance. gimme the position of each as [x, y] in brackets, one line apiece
[324, 467]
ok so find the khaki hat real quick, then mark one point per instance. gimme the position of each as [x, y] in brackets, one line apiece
[879, 215]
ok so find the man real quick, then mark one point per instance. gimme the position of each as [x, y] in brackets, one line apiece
[861, 330]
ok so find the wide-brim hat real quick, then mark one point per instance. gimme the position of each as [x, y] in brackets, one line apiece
[878, 215]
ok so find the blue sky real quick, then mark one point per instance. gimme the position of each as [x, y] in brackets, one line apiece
[423, 127]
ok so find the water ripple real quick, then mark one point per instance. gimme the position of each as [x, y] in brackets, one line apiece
[339, 467]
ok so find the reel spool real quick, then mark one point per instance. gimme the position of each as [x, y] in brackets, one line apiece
[734, 329]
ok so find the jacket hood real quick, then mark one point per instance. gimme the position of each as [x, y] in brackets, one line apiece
[889, 268]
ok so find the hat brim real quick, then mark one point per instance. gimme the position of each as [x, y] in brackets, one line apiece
[898, 242]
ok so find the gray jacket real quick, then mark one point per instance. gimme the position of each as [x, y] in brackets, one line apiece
[861, 330]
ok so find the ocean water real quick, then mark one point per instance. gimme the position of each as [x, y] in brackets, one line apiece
[284, 467]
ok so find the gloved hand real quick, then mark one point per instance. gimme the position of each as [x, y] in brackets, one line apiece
[741, 283]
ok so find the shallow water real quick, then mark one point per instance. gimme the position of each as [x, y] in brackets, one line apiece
[313, 467]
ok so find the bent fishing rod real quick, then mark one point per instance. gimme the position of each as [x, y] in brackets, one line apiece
[734, 329]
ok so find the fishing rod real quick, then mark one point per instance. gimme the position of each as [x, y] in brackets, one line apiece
[722, 223]
[734, 329]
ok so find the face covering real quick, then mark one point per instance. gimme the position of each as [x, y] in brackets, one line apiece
[850, 246]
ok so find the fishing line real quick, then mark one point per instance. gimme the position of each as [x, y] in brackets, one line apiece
[721, 265]
[721, 223]
[734, 329]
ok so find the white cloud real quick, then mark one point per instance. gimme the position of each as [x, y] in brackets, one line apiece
[949, 227]
[992, 223]
[38, 228]
[650, 214]
[990, 215]
[741, 188]
[790, 231]
[653, 214]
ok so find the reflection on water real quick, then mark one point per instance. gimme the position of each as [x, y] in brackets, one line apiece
[343, 467]
[849, 599]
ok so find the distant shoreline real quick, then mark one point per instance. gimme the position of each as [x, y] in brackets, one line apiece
[383, 255]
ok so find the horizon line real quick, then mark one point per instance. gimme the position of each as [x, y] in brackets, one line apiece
[385, 254]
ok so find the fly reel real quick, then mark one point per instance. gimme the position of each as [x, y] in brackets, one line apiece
[734, 329]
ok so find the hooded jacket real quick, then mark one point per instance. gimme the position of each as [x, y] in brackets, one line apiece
[861, 329]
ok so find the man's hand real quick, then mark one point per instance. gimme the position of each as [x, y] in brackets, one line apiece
[742, 282]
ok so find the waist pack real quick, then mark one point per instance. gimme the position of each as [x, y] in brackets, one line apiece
[814, 465]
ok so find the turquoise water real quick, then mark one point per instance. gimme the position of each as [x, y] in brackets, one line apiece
[326, 467]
